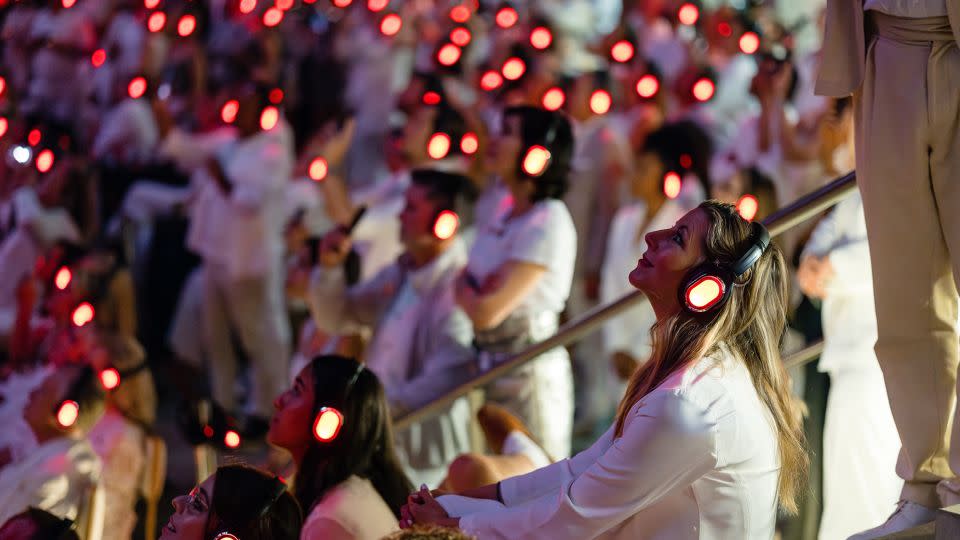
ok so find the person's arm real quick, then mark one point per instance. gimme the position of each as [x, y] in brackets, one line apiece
[335, 306]
[668, 442]
[489, 309]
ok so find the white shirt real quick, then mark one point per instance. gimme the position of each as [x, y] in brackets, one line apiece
[914, 9]
[698, 459]
[120, 445]
[630, 331]
[17, 436]
[543, 235]
[351, 511]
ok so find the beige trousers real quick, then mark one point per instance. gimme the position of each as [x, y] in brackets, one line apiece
[908, 168]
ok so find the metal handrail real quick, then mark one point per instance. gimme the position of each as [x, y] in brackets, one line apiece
[784, 219]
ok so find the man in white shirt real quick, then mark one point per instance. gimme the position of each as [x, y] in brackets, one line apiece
[421, 345]
[237, 228]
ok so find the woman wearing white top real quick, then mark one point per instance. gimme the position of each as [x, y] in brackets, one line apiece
[349, 480]
[520, 270]
[706, 440]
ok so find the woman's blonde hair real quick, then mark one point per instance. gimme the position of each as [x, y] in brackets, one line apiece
[750, 325]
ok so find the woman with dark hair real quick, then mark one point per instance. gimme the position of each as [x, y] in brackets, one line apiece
[335, 421]
[520, 270]
[237, 502]
[707, 440]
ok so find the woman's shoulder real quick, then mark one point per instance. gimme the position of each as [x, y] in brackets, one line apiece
[710, 383]
[551, 214]
[353, 505]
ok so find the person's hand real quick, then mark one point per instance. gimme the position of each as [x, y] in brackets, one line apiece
[334, 248]
[814, 274]
[422, 508]
[624, 364]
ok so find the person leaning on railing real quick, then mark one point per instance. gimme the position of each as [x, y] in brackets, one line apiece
[707, 440]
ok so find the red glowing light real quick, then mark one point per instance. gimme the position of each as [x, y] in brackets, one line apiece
[391, 25]
[688, 14]
[342, 3]
[703, 89]
[600, 102]
[377, 5]
[724, 29]
[622, 51]
[460, 36]
[469, 144]
[208, 431]
[686, 161]
[491, 80]
[747, 207]
[749, 42]
[3, 85]
[553, 99]
[63, 278]
[186, 26]
[269, 118]
[150, 4]
[231, 439]
[318, 169]
[272, 17]
[446, 225]
[229, 111]
[672, 185]
[275, 96]
[33, 137]
[110, 378]
[541, 38]
[647, 86]
[98, 57]
[448, 54]
[439, 145]
[513, 69]
[507, 17]
[431, 98]
[68, 413]
[156, 21]
[284, 4]
[328, 424]
[3, 126]
[67, 4]
[536, 160]
[460, 13]
[137, 87]
[246, 6]
[82, 314]
[705, 293]
[45, 160]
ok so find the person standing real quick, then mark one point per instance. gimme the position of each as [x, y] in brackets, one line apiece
[901, 62]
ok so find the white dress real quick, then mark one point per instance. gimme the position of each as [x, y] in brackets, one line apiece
[542, 393]
[351, 511]
[698, 459]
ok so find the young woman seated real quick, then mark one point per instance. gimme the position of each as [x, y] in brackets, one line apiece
[707, 440]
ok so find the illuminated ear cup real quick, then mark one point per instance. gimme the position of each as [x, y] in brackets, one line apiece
[705, 289]
[109, 378]
[67, 413]
[438, 146]
[535, 161]
[225, 536]
[446, 225]
[327, 425]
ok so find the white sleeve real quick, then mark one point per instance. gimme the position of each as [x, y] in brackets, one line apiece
[668, 442]
[541, 241]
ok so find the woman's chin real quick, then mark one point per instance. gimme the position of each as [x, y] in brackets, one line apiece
[638, 278]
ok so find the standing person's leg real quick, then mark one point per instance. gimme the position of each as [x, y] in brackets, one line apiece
[913, 286]
[217, 336]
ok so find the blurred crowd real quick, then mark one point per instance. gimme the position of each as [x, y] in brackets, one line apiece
[200, 199]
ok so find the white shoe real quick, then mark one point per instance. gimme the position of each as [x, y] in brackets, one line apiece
[907, 516]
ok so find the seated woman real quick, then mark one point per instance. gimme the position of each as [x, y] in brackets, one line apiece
[335, 421]
[706, 441]
[236, 502]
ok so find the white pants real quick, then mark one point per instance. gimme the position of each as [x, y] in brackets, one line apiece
[253, 310]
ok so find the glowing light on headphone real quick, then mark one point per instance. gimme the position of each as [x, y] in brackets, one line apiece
[98, 58]
[67, 4]
[110, 378]
[232, 439]
[431, 98]
[553, 99]
[448, 54]
[137, 87]
[672, 185]
[439, 145]
[703, 89]
[513, 68]
[749, 42]
[83, 314]
[150, 4]
[648, 86]
[342, 3]
[63, 278]
[228, 113]
[747, 207]
[247, 6]
[724, 29]
[536, 160]
[156, 21]
[272, 17]
[446, 225]
[3, 126]
[686, 161]
[507, 17]
[208, 431]
[460, 36]
[622, 51]
[688, 14]
[377, 5]
[275, 96]
[269, 118]
[68, 413]
[328, 424]
[600, 102]
[45, 160]
[186, 26]
[391, 25]
[318, 169]
[284, 4]
[3, 85]
[34, 137]
[491, 80]
[469, 144]
[460, 13]
[704, 293]
[541, 38]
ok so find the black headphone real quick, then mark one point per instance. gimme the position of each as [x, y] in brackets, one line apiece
[279, 488]
[329, 420]
[706, 287]
[537, 158]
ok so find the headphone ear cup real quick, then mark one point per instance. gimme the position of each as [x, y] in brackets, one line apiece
[704, 289]
[67, 413]
[535, 161]
[445, 225]
[327, 424]
[225, 536]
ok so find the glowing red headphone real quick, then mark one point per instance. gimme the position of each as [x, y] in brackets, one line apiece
[67, 412]
[329, 420]
[706, 287]
[111, 377]
[269, 112]
[537, 158]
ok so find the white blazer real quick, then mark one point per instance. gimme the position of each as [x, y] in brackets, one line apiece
[697, 459]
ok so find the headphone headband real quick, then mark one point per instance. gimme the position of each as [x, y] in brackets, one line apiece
[760, 240]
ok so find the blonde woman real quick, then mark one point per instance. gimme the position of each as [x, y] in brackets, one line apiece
[706, 443]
